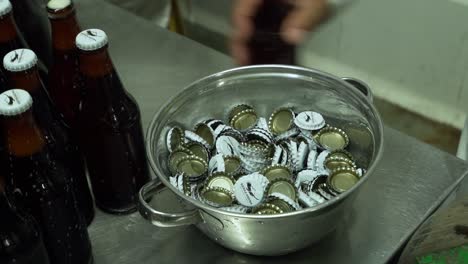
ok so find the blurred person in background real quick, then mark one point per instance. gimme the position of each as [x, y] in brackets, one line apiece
[306, 16]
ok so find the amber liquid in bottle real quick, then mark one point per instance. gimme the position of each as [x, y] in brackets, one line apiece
[37, 181]
[112, 136]
[20, 236]
[9, 38]
[31, 19]
[266, 45]
[64, 72]
[60, 135]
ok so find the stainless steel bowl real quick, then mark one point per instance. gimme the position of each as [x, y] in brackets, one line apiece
[345, 102]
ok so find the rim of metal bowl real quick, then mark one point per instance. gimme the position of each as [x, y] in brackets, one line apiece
[201, 206]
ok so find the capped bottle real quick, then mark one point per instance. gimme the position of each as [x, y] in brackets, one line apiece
[9, 37]
[20, 236]
[37, 181]
[22, 73]
[110, 129]
[63, 74]
[31, 20]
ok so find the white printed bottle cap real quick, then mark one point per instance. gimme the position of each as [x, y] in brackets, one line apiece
[227, 145]
[19, 60]
[91, 39]
[249, 190]
[5, 7]
[58, 4]
[15, 102]
[309, 120]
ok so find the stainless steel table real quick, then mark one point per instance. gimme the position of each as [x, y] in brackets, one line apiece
[411, 181]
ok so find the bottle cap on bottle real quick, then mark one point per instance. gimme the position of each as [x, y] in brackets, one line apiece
[14, 102]
[5, 7]
[91, 39]
[58, 4]
[19, 60]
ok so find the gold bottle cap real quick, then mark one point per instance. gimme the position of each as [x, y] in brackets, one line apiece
[237, 109]
[283, 202]
[267, 209]
[177, 154]
[244, 120]
[281, 120]
[198, 150]
[216, 196]
[277, 172]
[175, 137]
[232, 165]
[221, 180]
[343, 179]
[192, 166]
[332, 138]
[334, 162]
[283, 186]
[192, 136]
[205, 132]
[342, 153]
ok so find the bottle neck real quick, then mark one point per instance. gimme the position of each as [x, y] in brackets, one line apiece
[96, 64]
[23, 136]
[7, 29]
[64, 27]
[28, 80]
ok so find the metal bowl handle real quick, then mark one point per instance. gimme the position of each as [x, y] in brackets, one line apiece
[162, 219]
[361, 86]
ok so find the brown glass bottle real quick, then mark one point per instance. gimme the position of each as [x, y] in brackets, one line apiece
[37, 182]
[31, 19]
[110, 129]
[48, 118]
[63, 73]
[266, 45]
[20, 236]
[9, 37]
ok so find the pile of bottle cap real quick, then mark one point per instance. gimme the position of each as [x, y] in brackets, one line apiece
[251, 165]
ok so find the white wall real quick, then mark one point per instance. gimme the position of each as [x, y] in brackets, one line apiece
[412, 52]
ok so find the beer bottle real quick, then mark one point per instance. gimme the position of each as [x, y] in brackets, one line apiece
[37, 181]
[110, 129]
[63, 73]
[266, 45]
[21, 66]
[10, 38]
[20, 237]
[31, 19]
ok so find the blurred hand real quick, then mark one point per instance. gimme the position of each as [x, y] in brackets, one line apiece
[305, 16]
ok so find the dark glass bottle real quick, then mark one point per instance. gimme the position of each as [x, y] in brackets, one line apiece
[110, 129]
[20, 237]
[23, 73]
[63, 73]
[266, 45]
[31, 18]
[37, 182]
[10, 37]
